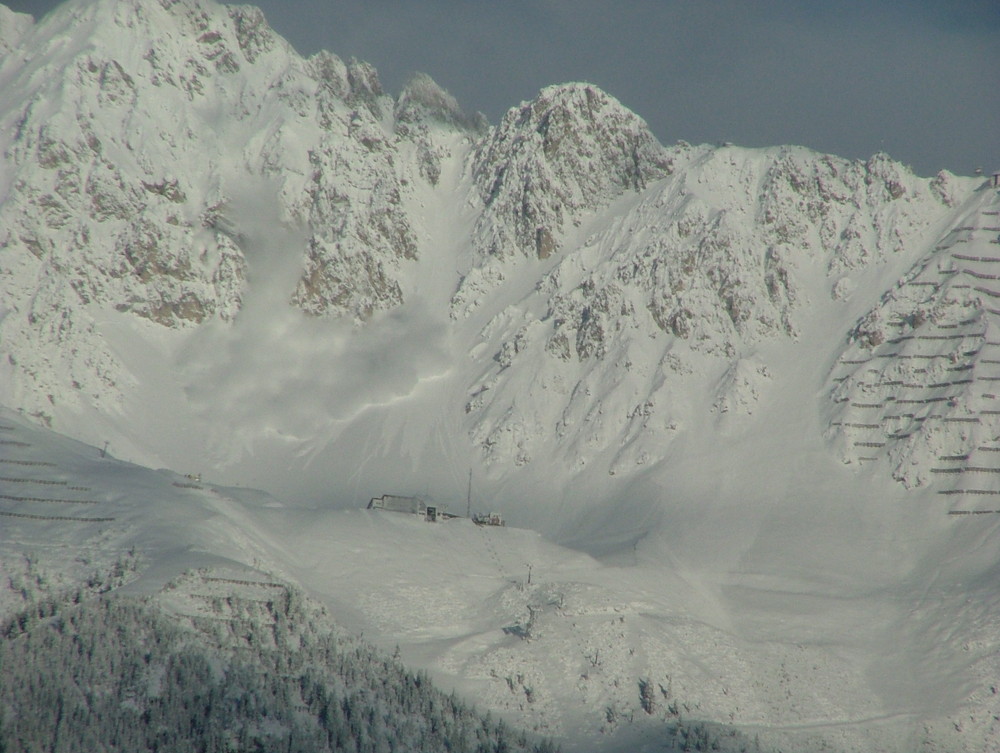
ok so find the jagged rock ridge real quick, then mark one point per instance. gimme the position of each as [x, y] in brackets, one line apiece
[710, 261]
[167, 160]
[147, 144]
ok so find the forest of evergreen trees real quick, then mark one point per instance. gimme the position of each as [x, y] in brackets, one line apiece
[114, 673]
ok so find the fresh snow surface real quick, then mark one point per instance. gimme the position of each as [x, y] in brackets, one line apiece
[737, 405]
[822, 619]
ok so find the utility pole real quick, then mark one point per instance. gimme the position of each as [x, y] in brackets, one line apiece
[468, 498]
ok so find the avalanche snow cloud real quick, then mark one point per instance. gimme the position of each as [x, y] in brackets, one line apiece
[757, 384]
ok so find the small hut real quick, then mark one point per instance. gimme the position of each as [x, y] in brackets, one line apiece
[493, 519]
[395, 503]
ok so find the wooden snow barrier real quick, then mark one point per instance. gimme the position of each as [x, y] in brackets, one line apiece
[932, 356]
[14, 443]
[15, 480]
[967, 469]
[974, 512]
[239, 582]
[969, 257]
[980, 492]
[30, 516]
[14, 498]
[957, 336]
[11, 461]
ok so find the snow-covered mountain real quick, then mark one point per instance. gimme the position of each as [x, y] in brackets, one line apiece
[765, 374]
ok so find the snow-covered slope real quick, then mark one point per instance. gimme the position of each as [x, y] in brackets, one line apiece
[689, 277]
[152, 151]
[637, 652]
[916, 384]
[204, 230]
[752, 383]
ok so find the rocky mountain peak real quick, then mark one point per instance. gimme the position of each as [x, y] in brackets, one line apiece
[422, 99]
[572, 148]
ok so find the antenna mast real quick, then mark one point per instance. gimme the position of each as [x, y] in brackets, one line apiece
[468, 498]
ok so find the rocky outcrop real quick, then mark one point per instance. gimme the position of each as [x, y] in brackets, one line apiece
[571, 150]
[145, 154]
[166, 161]
[917, 389]
[707, 263]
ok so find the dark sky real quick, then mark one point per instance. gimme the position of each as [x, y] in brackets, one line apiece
[919, 79]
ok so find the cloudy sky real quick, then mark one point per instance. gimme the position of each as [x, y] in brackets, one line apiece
[919, 79]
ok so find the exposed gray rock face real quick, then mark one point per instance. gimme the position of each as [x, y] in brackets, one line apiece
[165, 161]
[571, 149]
[148, 146]
[422, 106]
[709, 261]
[351, 200]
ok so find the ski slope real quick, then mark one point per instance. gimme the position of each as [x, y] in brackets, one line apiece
[848, 628]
